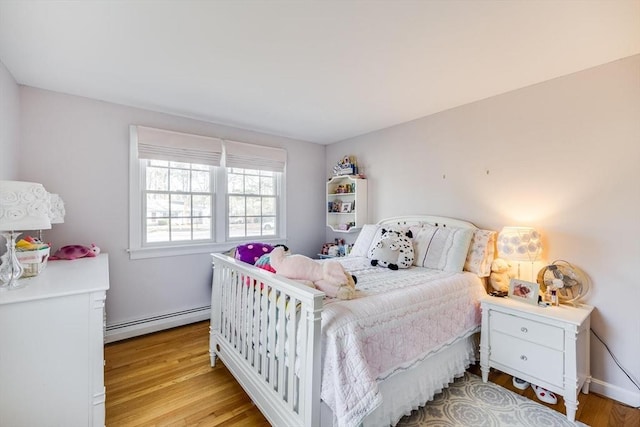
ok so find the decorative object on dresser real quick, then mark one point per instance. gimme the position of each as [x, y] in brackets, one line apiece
[51, 347]
[520, 244]
[23, 206]
[546, 346]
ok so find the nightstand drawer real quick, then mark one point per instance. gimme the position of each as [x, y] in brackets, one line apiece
[540, 362]
[528, 330]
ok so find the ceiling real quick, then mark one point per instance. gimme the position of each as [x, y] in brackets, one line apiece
[320, 71]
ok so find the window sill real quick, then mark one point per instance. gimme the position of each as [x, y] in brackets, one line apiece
[169, 251]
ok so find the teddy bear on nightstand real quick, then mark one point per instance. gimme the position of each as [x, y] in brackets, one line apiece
[500, 275]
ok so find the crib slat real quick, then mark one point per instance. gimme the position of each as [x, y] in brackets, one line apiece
[280, 342]
[246, 318]
[263, 331]
[254, 321]
[271, 337]
[291, 350]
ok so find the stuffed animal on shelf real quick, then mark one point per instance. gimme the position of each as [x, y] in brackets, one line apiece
[329, 277]
[393, 250]
[72, 252]
[500, 275]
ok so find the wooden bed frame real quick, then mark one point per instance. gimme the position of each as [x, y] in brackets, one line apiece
[252, 310]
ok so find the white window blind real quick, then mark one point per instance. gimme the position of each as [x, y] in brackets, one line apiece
[250, 156]
[159, 144]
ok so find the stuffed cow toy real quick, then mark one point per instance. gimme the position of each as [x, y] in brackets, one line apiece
[394, 250]
[329, 277]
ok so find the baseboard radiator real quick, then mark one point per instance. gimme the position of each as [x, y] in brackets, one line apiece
[124, 330]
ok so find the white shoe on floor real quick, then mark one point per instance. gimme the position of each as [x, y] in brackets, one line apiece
[521, 384]
[545, 395]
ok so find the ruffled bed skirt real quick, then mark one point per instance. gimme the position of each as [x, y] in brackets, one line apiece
[408, 390]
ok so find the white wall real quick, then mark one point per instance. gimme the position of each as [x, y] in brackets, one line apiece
[79, 148]
[562, 156]
[9, 125]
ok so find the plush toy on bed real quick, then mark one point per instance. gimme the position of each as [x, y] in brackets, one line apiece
[329, 277]
[251, 252]
[393, 250]
[500, 275]
[264, 262]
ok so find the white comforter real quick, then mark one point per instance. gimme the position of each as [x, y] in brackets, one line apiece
[397, 319]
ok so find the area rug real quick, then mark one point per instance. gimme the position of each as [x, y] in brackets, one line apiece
[470, 402]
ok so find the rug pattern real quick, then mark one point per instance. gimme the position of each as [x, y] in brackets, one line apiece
[470, 402]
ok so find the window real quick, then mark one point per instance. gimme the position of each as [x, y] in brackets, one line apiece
[196, 194]
[252, 202]
[178, 199]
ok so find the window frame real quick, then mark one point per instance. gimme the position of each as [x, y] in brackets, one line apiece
[221, 242]
[277, 192]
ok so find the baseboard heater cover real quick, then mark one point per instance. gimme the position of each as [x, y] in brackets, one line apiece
[134, 328]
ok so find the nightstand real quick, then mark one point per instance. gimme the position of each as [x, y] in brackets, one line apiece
[546, 346]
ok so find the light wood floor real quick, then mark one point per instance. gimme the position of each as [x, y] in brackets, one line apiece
[164, 379]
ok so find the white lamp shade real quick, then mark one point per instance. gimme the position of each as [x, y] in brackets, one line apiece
[23, 206]
[519, 244]
[57, 212]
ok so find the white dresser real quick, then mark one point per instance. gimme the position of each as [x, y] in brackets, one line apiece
[51, 346]
[548, 347]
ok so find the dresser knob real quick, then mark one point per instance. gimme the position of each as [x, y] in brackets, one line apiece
[523, 357]
[523, 329]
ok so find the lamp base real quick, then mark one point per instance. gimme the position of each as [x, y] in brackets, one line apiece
[10, 269]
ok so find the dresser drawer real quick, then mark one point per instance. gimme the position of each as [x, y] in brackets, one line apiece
[538, 361]
[528, 330]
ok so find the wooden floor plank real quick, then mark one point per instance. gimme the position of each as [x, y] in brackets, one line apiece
[164, 379]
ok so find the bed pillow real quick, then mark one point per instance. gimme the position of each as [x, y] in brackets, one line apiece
[481, 252]
[368, 234]
[441, 248]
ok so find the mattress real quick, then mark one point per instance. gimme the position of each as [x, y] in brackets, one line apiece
[398, 319]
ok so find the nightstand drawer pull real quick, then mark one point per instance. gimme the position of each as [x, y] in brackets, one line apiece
[523, 357]
[523, 329]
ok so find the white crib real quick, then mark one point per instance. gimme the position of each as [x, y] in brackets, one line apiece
[252, 311]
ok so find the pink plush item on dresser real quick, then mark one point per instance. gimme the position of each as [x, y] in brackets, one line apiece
[72, 252]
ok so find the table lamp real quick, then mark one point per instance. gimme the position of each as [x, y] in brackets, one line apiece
[23, 206]
[519, 244]
[56, 213]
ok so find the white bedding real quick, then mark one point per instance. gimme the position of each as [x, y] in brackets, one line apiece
[397, 319]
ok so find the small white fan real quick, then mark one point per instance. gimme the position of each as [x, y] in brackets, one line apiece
[571, 282]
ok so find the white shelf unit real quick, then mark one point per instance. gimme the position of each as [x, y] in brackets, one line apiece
[355, 193]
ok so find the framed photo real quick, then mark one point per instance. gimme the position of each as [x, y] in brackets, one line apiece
[524, 291]
[346, 207]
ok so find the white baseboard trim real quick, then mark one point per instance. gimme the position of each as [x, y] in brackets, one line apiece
[614, 392]
[124, 330]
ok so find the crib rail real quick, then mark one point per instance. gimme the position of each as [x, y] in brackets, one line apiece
[266, 330]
